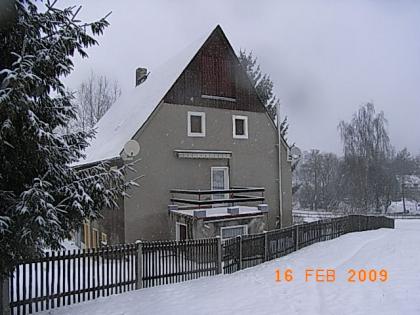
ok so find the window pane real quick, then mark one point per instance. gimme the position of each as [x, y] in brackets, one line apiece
[239, 127]
[196, 124]
[233, 232]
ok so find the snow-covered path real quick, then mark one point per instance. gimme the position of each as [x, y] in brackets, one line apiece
[255, 291]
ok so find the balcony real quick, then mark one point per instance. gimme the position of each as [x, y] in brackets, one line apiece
[209, 213]
[188, 199]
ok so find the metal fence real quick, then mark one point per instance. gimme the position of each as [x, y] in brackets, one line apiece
[70, 277]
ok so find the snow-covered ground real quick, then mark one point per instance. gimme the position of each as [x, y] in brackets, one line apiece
[413, 207]
[255, 291]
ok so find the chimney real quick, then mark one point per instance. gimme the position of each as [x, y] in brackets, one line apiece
[141, 75]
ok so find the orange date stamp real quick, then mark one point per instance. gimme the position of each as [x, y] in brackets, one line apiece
[330, 275]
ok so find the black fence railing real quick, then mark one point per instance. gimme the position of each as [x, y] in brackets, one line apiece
[196, 198]
[73, 277]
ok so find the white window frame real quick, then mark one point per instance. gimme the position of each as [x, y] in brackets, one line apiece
[177, 230]
[245, 119]
[244, 226]
[226, 183]
[289, 155]
[203, 124]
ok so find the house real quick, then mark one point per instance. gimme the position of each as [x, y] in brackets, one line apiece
[209, 153]
[410, 186]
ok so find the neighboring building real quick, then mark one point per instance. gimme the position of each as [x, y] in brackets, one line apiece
[203, 132]
[411, 185]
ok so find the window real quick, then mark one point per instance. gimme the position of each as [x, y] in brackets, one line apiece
[104, 239]
[219, 181]
[233, 231]
[95, 238]
[86, 235]
[240, 127]
[196, 124]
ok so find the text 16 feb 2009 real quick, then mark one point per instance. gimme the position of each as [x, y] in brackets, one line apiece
[330, 275]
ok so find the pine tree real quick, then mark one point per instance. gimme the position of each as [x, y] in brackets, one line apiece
[42, 197]
[263, 85]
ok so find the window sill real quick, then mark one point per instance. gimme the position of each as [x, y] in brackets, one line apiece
[197, 135]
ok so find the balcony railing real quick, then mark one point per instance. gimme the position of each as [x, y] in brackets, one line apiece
[197, 198]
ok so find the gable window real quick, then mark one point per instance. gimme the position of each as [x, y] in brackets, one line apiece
[196, 124]
[233, 231]
[240, 127]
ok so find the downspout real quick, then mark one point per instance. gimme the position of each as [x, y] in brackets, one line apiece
[280, 177]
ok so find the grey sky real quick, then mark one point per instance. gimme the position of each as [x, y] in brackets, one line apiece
[326, 58]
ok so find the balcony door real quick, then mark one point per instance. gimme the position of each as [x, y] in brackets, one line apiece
[220, 181]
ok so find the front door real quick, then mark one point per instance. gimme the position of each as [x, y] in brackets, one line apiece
[181, 231]
[220, 181]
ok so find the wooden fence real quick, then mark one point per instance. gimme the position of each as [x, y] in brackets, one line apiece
[69, 277]
[64, 278]
[250, 250]
[175, 261]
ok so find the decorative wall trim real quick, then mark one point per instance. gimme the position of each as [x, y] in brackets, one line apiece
[202, 154]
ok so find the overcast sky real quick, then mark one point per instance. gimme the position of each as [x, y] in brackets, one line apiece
[326, 58]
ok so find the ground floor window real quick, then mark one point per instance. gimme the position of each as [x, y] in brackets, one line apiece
[233, 231]
[95, 238]
[104, 240]
[86, 235]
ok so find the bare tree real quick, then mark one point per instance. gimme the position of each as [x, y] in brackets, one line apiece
[319, 179]
[94, 97]
[367, 153]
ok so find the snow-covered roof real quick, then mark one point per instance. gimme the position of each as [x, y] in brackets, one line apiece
[412, 179]
[132, 109]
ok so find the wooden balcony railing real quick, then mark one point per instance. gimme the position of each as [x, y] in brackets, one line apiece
[197, 198]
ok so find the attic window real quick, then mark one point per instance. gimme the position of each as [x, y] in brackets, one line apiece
[196, 124]
[218, 78]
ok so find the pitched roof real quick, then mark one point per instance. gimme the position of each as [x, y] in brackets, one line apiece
[128, 114]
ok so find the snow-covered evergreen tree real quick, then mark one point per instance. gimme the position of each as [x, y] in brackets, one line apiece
[263, 85]
[42, 197]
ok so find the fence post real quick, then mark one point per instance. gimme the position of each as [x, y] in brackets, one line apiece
[139, 273]
[4, 296]
[266, 252]
[296, 237]
[219, 255]
[240, 252]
